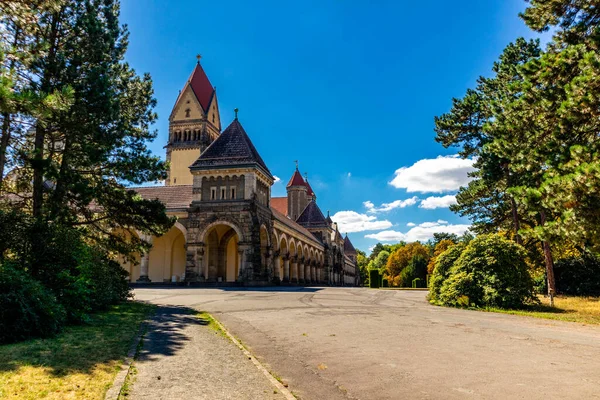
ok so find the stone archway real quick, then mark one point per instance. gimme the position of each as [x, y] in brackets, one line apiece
[222, 260]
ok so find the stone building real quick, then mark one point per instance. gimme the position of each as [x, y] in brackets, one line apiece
[229, 229]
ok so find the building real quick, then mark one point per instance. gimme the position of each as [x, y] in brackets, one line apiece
[229, 229]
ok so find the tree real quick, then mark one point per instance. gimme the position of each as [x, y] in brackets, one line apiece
[486, 200]
[490, 272]
[380, 261]
[363, 263]
[439, 248]
[402, 256]
[90, 146]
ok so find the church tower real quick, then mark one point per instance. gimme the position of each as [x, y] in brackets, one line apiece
[297, 195]
[193, 125]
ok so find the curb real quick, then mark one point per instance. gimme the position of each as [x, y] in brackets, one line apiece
[115, 390]
[282, 389]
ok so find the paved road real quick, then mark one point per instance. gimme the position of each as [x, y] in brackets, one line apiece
[183, 358]
[356, 343]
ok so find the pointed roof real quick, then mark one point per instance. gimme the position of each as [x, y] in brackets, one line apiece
[309, 191]
[328, 219]
[232, 148]
[201, 86]
[348, 247]
[296, 179]
[312, 216]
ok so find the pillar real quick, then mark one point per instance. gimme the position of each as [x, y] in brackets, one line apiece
[286, 268]
[301, 276]
[294, 270]
[277, 266]
[145, 260]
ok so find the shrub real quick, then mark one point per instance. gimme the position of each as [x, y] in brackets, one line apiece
[374, 278]
[441, 271]
[416, 283]
[106, 280]
[416, 268]
[27, 308]
[490, 272]
[579, 276]
[385, 283]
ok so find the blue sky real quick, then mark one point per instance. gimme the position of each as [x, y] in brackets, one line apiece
[349, 89]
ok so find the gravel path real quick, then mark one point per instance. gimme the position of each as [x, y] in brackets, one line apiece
[183, 358]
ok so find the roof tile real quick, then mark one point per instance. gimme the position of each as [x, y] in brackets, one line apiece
[233, 147]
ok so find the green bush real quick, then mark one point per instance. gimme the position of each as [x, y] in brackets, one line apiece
[385, 283]
[417, 283]
[27, 308]
[105, 279]
[374, 278]
[380, 279]
[441, 271]
[490, 272]
[578, 276]
[416, 268]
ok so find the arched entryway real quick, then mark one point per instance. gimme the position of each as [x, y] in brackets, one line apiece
[223, 258]
[167, 257]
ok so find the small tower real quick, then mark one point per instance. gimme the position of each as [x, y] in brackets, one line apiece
[193, 125]
[296, 195]
[310, 194]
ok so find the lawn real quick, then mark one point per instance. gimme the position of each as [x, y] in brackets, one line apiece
[585, 310]
[79, 363]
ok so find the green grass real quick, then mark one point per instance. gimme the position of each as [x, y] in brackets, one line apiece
[209, 321]
[81, 362]
[585, 310]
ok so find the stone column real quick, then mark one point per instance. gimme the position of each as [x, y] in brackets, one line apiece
[145, 260]
[313, 273]
[286, 268]
[309, 277]
[242, 265]
[294, 270]
[276, 266]
[200, 261]
[301, 276]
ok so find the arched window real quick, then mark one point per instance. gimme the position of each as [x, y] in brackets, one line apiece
[187, 112]
[213, 118]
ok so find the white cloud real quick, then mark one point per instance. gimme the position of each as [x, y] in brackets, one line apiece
[411, 224]
[390, 206]
[276, 178]
[433, 202]
[434, 175]
[351, 221]
[421, 232]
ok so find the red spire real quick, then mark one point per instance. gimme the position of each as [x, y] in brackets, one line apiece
[309, 190]
[201, 86]
[296, 179]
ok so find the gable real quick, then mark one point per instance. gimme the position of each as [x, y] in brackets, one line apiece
[187, 101]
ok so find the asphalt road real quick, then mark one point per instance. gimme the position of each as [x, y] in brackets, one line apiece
[356, 343]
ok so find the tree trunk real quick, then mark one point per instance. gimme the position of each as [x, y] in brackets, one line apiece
[548, 260]
[60, 187]
[513, 207]
[4, 141]
[516, 223]
[38, 163]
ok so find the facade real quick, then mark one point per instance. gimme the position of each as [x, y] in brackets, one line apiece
[229, 229]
